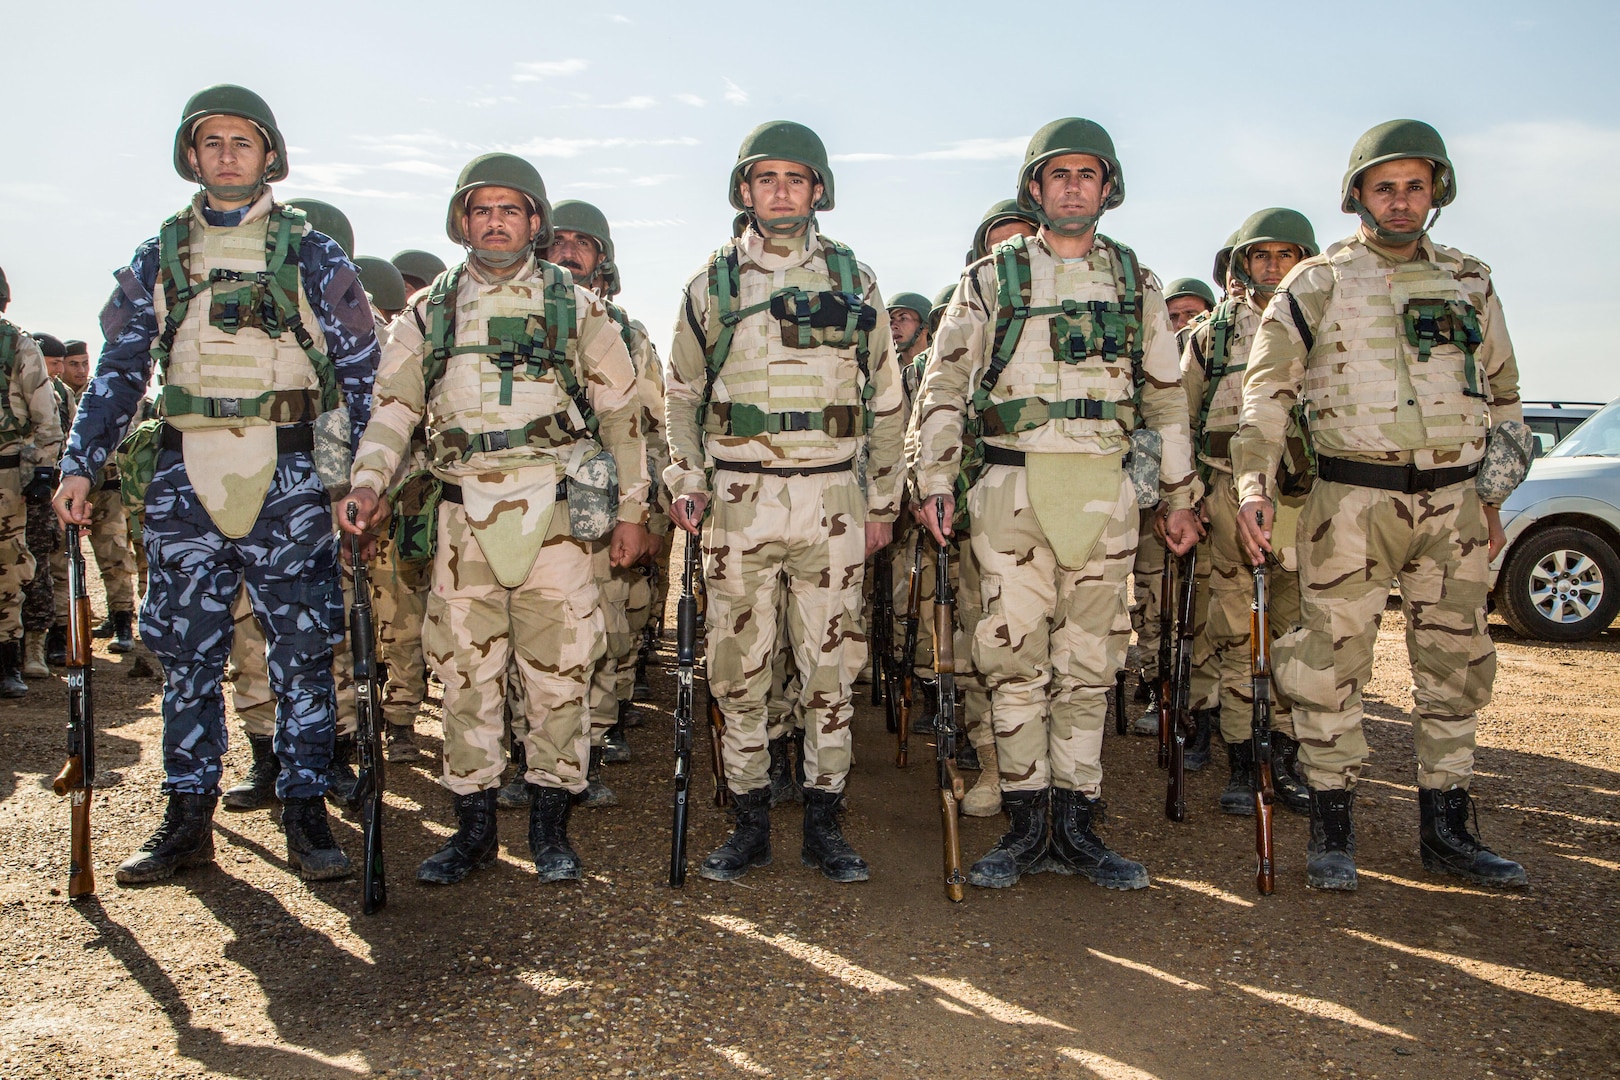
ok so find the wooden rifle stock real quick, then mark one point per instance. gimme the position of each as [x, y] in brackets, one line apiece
[78, 774]
[908, 656]
[1175, 796]
[1265, 878]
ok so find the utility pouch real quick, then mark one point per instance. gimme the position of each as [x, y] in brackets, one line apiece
[812, 320]
[593, 492]
[1509, 448]
[1143, 462]
[414, 527]
[333, 455]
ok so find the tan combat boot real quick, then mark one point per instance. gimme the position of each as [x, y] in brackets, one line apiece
[34, 665]
[985, 798]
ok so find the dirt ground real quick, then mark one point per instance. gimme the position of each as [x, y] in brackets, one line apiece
[242, 970]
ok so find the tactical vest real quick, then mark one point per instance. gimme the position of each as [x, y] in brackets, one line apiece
[786, 339]
[238, 341]
[499, 366]
[12, 426]
[1232, 322]
[1392, 366]
[912, 376]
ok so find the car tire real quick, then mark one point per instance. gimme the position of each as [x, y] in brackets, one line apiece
[1560, 584]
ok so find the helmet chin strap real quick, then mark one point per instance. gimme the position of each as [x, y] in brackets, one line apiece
[1390, 236]
[782, 226]
[235, 192]
[1067, 226]
[497, 260]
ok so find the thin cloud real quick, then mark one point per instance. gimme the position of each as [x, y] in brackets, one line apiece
[653, 180]
[623, 20]
[734, 95]
[536, 70]
[416, 168]
[571, 148]
[961, 150]
[640, 101]
[649, 223]
[691, 99]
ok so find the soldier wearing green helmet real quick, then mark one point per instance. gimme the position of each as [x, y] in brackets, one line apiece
[908, 324]
[1396, 350]
[1055, 359]
[1186, 299]
[782, 370]
[537, 469]
[418, 268]
[384, 284]
[1003, 221]
[1223, 268]
[326, 218]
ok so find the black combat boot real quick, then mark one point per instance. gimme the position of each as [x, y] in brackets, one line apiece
[11, 680]
[472, 845]
[1144, 689]
[616, 744]
[1196, 753]
[749, 844]
[825, 848]
[1238, 798]
[123, 638]
[1330, 857]
[399, 744]
[1292, 792]
[258, 788]
[1448, 847]
[967, 755]
[186, 838]
[1076, 849]
[1022, 850]
[554, 858]
[629, 715]
[310, 848]
[1148, 723]
[784, 779]
[596, 793]
[926, 694]
[106, 629]
[340, 775]
[56, 646]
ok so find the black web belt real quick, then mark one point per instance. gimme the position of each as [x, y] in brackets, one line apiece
[761, 467]
[451, 493]
[1407, 479]
[11, 461]
[290, 438]
[1000, 455]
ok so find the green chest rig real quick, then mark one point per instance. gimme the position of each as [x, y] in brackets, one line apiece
[532, 346]
[1431, 322]
[264, 300]
[12, 426]
[842, 316]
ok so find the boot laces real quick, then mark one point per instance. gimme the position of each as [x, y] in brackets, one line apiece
[313, 823]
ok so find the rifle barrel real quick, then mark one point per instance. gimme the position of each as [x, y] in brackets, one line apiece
[78, 774]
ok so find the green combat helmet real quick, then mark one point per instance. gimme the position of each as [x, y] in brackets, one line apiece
[1273, 225]
[424, 266]
[1396, 140]
[942, 300]
[1071, 135]
[1189, 286]
[228, 100]
[913, 302]
[582, 217]
[499, 170]
[1223, 260]
[5, 291]
[326, 218]
[1005, 210]
[783, 140]
[383, 281]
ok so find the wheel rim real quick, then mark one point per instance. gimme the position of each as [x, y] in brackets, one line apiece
[1566, 586]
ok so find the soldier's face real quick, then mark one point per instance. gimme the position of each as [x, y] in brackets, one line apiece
[1070, 185]
[1184, 309]
[1269, 263]
[499, 219]
[54, 366]
[577, 252]
[76, 371]
[903, 325]
[780, 189]
[1006, 230]
[1398, 194]
[227, 151]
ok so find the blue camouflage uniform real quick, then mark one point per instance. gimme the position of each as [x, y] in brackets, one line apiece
[288, 560]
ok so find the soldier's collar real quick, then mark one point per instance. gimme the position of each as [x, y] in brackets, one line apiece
[775, 252]
[524, 270]
[1424, 252]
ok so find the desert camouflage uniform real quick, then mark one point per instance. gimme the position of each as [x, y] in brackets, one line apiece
[548, 622]
[1051, 638]
[45, 599]
[31, 429]
[1371, 398]
[769, 533]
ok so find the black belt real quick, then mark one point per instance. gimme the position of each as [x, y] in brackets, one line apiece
[1218, 444]
[999, 455]
[11, 461]
[290, 438]
[451, 493]
[761, 467]
[1407, 479]
[110, 483]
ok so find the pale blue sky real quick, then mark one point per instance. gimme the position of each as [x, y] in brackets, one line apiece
[1217, 110]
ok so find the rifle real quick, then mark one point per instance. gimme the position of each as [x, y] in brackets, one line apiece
[1175, 798]
[686, 660]
[1265, 878]
[1120, 727]
[79, 771]
[908, 679]
[951, 789]
[1167, 612]
[368, 788]
[882, 635]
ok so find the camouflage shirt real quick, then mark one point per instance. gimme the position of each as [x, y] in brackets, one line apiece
[32, 399]
[1196, 357]
[129, 324]
[650, 392]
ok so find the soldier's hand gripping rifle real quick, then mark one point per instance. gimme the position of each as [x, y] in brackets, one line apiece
[882, 639]
[1175, 797]
[908, 654]
[1167, 630]
[79, 772]
[686, 661]
[1265, 878]
[372, 781]
[951, 789]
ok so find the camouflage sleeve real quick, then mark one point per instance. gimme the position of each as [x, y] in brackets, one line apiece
[1164, 402]
[685, 379]
[33, 395]
[650, 387]
[129, 324]
[1276, 372]
[611, 384]
[397, 407]
[1196, 383]
[1495, 357]
[961, 349]
[885, 443]
[335, 294]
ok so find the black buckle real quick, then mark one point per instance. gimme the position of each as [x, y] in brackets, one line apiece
[795, 421]
[229, 407]
[496, 440]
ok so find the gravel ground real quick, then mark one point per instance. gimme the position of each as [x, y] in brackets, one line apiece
[242, 970]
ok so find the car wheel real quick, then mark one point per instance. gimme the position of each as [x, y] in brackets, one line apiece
[1560, 584]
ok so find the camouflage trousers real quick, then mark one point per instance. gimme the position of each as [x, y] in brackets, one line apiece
[1353, 541]
[1231, 587]
[615, 587]
[399, 592]
[795, 544]
[249, 670]
[1147, 604]
[1050, 639]
[549, 630]
[287, 564]
[902, 554]
[1206, 685]
[44, 536]
[115, 555]
[16, 560]
[969, 613]
[638, 612]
